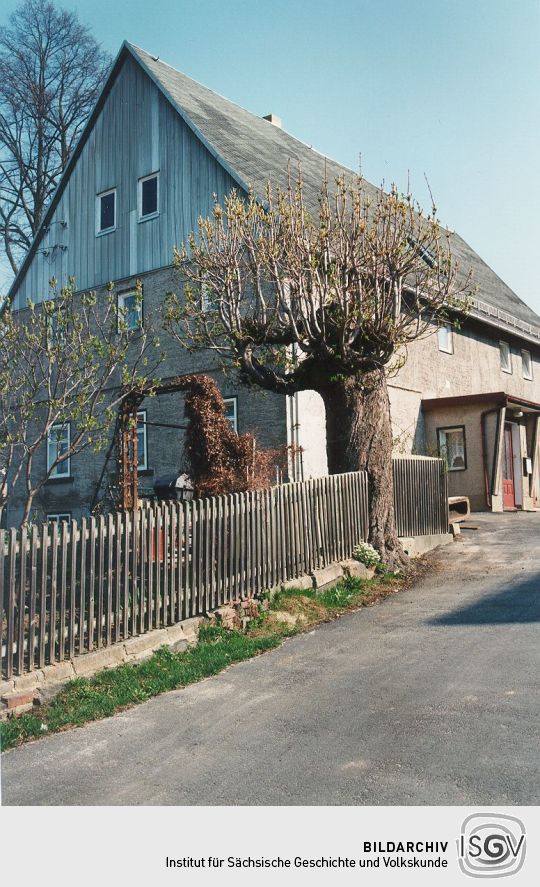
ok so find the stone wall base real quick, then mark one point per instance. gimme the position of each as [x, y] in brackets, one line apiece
[21, 692]
[417, 545]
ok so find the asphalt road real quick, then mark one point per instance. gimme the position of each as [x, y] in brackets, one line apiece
[430, 697]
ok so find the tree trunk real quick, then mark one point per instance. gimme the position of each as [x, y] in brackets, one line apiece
[359, 437]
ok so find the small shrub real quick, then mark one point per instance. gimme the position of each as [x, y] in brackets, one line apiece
[366, 554]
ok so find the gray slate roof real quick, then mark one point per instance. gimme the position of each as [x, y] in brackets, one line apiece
[258, 152]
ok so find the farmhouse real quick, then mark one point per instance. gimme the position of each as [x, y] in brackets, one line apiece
[156, 148]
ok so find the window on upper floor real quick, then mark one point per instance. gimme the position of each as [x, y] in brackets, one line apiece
[505, 357]
[130, 309]
[106, 211]
[446, 337]
[148, 198]
[231, 412]
[452, 449]
[58, 444]
[526, 364]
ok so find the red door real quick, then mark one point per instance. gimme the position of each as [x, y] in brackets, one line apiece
[509, 499]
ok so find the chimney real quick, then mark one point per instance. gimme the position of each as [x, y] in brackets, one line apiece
[274, 119]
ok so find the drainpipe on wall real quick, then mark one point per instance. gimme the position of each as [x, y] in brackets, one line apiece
[534, 454]
[296, 459]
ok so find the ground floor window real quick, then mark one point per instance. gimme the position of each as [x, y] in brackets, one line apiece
[60, 517]
[452, 448]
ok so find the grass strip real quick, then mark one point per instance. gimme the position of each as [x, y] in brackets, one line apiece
[289, 612]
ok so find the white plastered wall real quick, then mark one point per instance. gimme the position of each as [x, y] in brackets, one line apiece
[307, 429]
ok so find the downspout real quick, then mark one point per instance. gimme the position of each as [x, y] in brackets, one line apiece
[534, 455]
[491, 489]
[295, 459]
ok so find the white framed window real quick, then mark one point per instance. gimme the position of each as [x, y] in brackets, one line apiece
[207, 297]
[56, 328]
[130, 309]
[452, 447]
[58, 443]
[526, 364]
[142, 442]
[148, 197]
[505, 357]
[231, 412]
[106, 211]
[445, 335]
[61, 517]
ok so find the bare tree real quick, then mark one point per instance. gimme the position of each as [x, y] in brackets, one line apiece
[51, 70]
[65, 367]
[324, 300]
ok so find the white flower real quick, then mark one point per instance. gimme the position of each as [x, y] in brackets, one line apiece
[366, 554]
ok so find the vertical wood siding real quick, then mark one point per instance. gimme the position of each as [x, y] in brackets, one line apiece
[137, 133]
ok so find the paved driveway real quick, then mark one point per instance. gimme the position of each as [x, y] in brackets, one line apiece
[431, 697]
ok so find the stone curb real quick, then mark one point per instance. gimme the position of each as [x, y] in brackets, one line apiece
[304, 582]
[330, 575]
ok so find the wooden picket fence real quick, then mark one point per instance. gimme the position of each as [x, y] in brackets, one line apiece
[420, 496]
[66, 590]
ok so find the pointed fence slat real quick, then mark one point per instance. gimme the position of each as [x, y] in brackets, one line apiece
[63, 591]
[32, 601]
[72, 589]
[82, 588]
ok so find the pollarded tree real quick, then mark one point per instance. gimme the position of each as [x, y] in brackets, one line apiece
[66, 365]
[326, 300]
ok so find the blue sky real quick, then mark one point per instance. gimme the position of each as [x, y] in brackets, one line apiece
[445, 88]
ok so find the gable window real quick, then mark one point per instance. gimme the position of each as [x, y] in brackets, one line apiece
[526, 364]
[61, 517]
[446, 338]
[231, 412]
[106, 211]
[130, 310]
[506, 357]
[452, 447]
[58, 443]
[148, 197]
[142, 450]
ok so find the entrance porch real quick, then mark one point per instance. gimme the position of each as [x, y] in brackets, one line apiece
[490, 443]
